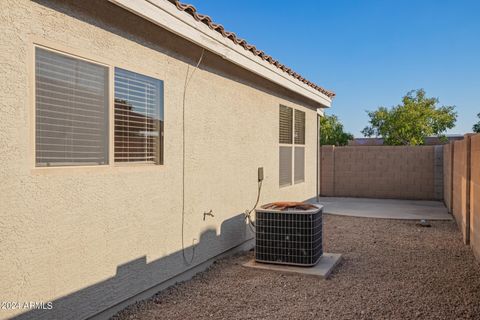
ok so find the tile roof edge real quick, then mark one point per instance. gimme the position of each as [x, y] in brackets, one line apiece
[192, 11]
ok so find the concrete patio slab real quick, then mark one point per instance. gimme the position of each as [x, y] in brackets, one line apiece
[385, 208]
[322, 269]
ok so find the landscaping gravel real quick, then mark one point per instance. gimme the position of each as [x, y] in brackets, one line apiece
[390, 269]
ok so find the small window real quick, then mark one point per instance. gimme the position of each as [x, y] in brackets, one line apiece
[292, 146]
[71, 111]
[138, 118]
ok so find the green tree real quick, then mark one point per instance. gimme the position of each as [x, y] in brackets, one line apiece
[332, 133]
[410, 122]
[476, 126]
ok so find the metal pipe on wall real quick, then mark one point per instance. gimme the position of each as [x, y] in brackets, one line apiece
[318, 159]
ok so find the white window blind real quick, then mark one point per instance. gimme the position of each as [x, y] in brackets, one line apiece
[286, 125]
[71, 110]
[138, 118]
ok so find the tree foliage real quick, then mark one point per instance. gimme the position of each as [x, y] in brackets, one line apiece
[410, 122]
[332, 133]
[476, 126]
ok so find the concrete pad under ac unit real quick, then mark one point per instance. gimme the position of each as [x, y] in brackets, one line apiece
[323, 269]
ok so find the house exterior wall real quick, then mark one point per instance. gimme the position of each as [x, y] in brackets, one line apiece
[88, 238]
[382, 172]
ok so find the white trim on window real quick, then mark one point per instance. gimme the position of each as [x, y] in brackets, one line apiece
[292, 156]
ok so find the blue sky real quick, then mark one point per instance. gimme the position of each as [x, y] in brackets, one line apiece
[369, 52]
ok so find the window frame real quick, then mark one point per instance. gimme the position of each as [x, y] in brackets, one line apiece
[160, 142]
[293, 147]
[299, 145]
[107, 111]
[101, 61]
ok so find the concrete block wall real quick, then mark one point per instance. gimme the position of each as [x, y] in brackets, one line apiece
[447, 175]
[475, 195]
[459, 199]
[399, 172]
[327, 170]
[438, 172]
[462, 193]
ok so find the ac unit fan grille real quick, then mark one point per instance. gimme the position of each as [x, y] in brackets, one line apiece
[288, 238]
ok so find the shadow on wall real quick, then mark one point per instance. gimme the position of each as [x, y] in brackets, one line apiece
[137, 276]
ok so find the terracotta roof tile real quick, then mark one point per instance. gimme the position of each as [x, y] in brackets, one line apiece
[188, 8]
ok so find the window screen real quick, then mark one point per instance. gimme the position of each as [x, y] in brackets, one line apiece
[299, 127]
[299, 160]
[138, 118]
[286, 124]
[71, 110]
[285, 166]
[299, 156]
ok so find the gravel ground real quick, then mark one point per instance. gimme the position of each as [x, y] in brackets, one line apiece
[390, 270]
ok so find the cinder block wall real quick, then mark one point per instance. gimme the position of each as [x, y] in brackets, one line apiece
[459, 205]
[327, 170]
[463, 157]
[475, 196]
[402, 172]
[447, 175]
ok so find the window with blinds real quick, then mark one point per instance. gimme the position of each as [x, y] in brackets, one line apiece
[285, 166]
[299, 127]
[299, 160]
[299, 156]
[292, 146]
[285, 137]
[286, 124]
[71, 110]
[138, 118]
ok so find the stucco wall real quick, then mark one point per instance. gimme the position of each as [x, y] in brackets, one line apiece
[402, 172]
[89, 238]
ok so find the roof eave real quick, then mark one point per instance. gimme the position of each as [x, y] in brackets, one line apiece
[167, 16]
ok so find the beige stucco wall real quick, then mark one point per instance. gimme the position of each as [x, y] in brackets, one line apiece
[90, 238]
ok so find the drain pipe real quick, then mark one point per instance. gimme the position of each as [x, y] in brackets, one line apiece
[318, 159]
[319, 115]
[188, 77]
